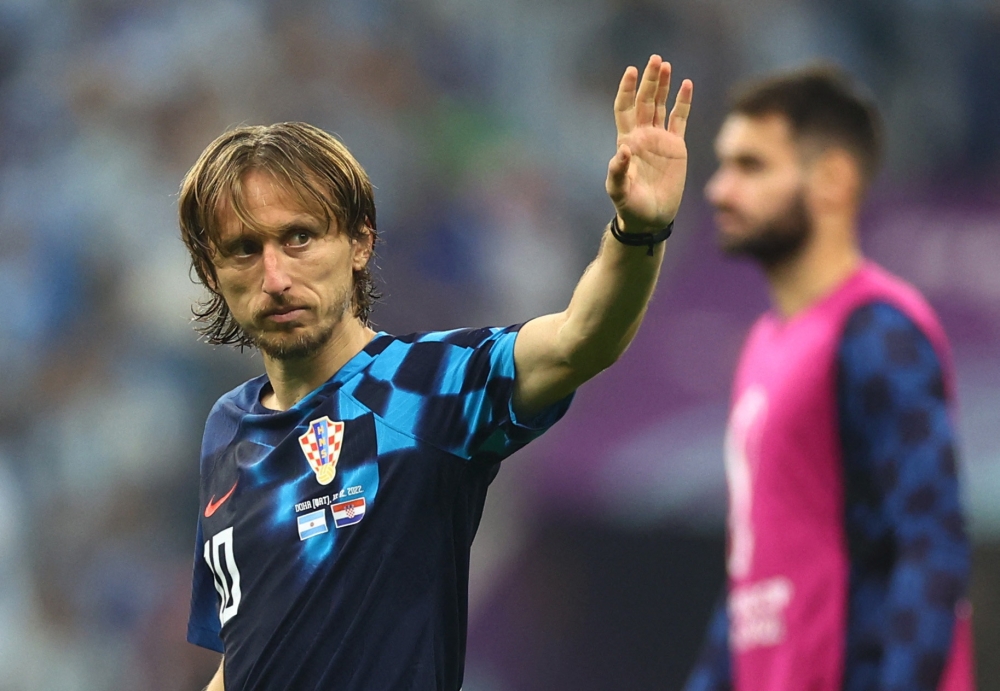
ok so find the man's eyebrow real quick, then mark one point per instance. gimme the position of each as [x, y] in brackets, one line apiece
[228, 245]
[300, 223]
[747, 157]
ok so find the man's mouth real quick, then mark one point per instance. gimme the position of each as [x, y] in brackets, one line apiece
[286, 313]
[727, 220]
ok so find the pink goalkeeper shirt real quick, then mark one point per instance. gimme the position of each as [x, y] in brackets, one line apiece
[787, 558]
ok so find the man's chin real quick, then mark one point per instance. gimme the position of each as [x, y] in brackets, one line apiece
[733, 245]
[296, 344]
[770, 250]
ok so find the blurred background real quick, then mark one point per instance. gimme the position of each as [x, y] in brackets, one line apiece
[486, 126]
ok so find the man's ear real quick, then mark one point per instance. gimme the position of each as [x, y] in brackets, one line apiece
[835, 180]
[362, 248]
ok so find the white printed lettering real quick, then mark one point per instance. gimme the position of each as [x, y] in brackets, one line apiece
[757, 613]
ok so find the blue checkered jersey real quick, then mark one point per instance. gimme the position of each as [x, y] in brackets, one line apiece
[333, 541]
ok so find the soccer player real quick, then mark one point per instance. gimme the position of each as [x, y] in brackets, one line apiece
[848, 559]
[341, 490]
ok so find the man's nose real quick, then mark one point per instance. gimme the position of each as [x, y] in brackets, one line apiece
[276, 278]
[712, 187]
[717, 188]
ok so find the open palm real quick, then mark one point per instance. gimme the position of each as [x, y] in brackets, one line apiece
[646, 176]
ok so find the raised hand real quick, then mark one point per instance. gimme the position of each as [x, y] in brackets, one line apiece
[646, 175]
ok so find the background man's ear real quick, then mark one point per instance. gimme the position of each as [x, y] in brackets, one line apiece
[836, 180]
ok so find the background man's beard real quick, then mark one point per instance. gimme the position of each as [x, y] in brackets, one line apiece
[306, 344]
[777, 241]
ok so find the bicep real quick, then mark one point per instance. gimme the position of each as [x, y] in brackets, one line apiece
[543, 374]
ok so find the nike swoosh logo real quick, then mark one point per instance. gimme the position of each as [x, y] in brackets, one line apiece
[214, 505]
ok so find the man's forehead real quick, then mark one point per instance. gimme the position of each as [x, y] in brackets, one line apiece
[768, 133]
[265, 204]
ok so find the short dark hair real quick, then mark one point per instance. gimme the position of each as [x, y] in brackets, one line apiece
[820, 102]
[312, 164]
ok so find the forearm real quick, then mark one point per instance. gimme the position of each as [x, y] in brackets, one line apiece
[608, 304]
[918, 631]
[568, 348]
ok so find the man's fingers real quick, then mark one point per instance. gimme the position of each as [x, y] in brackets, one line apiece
[662, 89]
[645, 100]
[682, 108]
[625, 101]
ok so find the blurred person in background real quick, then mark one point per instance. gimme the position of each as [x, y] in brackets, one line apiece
[342, 489]
[848, 560]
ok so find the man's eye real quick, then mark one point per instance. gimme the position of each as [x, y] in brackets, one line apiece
[242, 248]
[245, 248]
[298, 238]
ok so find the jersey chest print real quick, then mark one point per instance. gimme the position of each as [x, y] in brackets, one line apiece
[298, 501]
[742, 455]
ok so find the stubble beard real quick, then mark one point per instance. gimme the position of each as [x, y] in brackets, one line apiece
[308, 343]
[777, 241]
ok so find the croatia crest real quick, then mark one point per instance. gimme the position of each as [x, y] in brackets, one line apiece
[321, 444]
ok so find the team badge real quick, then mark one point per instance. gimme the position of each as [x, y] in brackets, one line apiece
[321, 445]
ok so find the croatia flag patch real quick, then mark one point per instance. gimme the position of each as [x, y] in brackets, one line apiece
[312, 524]
[348, 512]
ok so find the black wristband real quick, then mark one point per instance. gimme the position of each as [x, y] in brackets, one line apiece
[640, 239]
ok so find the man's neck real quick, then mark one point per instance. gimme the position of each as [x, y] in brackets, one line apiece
[293, 380]
[819, 270]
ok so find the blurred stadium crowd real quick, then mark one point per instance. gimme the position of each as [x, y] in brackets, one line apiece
[486, 127]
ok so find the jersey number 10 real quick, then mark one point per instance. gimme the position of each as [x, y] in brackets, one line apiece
[222, 564]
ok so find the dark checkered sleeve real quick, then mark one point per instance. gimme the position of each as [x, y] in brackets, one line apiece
[453, 390]
[713, 671]
[910, 555]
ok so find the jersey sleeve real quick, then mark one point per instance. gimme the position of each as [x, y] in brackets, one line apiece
[713, 670]
[455, 390]
[496, 430]
[906, 533]
[203, 624]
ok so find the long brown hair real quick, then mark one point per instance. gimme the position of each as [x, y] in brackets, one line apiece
[311, 164]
